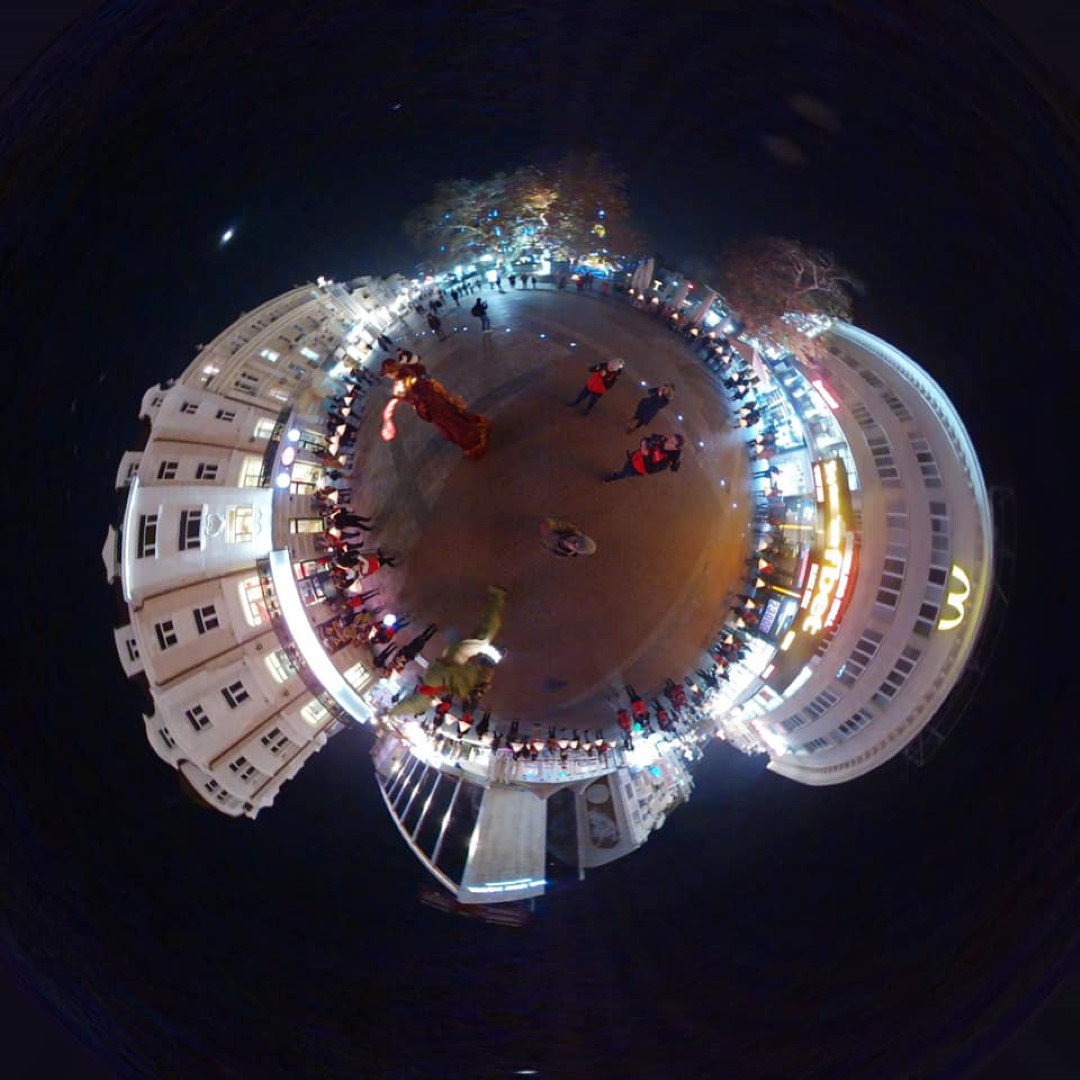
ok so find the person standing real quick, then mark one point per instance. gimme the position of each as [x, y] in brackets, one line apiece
[435, 323]
[513, 280]
[602, 377]
[656, 453]
[534, 281]
[658, 397]
[412, 649]
[479, 309]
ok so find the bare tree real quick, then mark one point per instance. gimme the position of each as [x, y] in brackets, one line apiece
[573, 207]
[776, 286]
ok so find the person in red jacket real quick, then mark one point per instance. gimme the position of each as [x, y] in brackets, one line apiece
[655, 454]
[602, 377]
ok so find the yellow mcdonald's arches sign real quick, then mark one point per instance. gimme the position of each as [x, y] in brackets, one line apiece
[956, 600]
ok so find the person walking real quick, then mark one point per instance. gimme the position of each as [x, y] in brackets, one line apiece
[513, 280]
[656, 453]
[435, 323]
[534, 281]
[658, 397]
[602, 377]
[479, 309]
[455, 296]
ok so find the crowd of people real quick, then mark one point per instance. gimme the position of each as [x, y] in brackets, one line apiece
[450, 713]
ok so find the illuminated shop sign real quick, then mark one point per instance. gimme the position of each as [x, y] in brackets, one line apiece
[956, 599]
[768, 616]
[829, 574]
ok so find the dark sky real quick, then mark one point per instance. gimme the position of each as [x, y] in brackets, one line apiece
[902, 925]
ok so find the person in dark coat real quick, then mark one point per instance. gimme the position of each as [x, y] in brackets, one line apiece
[658, 397]
[656, 453]
[602, 377]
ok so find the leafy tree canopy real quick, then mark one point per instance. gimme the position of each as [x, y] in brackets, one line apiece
[575, 207]
[775, 286]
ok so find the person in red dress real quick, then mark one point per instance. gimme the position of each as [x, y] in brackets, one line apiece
[435, 405]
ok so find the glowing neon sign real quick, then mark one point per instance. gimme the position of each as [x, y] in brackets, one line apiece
[830, 575]
[956, 600]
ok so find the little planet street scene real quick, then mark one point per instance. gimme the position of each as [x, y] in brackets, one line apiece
[533, 540]
[551, 531]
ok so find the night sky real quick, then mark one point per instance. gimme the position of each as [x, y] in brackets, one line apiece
[903, 925]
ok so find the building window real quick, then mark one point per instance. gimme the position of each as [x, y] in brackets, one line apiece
[281, 667]
[892, 580]
[189, 408]
[132, 647]
[251, 471]
[206, 470]
[264, 428]
[190, 529]
[275, 740]
[243, 769]
[246, 382]
[813, 745]
[314, 712]
[271, 355]
[226, 415]
[884, 461]
[792, 722]
[147, 546]
[861, 655]
[235, 694]
[357, 676]
[822, 703]
[167, 470]
[239, 524]
[862, 416]
[900, 410]
[156, 402]
[253, 602]
[197, 717]
[854, 723]
[206, 618]
[166, 738]
[132, 471]
[927, 464]
[166, 634]
[926, 619]
[306, 525]
[279, 395]
[899, 675]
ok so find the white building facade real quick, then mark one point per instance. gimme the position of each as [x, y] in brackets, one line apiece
[896, 573]
[205, 528]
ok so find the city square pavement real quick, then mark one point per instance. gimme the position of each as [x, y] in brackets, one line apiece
[670, 547]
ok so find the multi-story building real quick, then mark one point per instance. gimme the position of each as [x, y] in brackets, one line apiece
[236, 708]
[858, 639]
[893, 563]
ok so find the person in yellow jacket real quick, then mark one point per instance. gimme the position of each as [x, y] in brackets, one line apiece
[464, 670]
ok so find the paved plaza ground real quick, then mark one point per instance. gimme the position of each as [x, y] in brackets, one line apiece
[670, 547]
